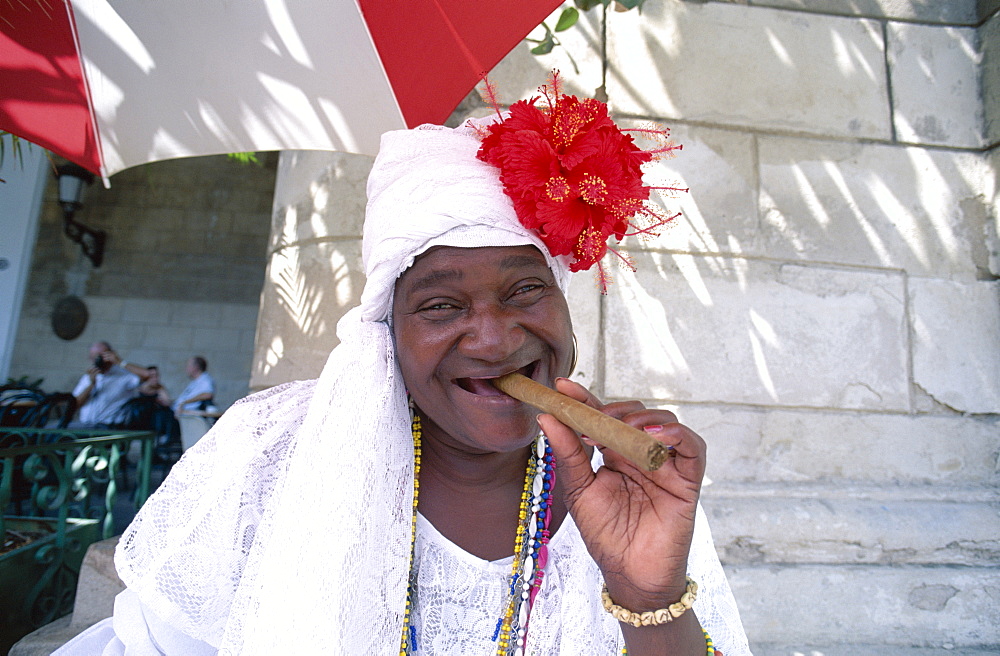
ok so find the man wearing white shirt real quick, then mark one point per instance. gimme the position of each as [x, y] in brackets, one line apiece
[200, 391]
[108, 384]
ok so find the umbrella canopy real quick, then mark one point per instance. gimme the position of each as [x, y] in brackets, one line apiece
[112, 84]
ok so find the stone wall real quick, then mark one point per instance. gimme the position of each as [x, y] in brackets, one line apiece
[182, 273]
[825, 312]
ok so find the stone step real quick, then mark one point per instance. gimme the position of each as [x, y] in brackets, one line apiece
[887, 607]
[852, 524]
[747, 444]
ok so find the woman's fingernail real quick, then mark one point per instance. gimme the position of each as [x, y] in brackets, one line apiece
[558, 378]
[652, 429]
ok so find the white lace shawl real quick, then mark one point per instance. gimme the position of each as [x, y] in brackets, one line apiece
[191, 553]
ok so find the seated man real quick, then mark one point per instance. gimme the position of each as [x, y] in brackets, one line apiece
[199, 392]
[153, 388]
[108, 384]
[151, 410]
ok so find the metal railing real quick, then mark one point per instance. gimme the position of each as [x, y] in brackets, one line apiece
[64, 473]
[65, 484]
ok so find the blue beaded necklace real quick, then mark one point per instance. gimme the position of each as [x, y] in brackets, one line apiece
[530, 550]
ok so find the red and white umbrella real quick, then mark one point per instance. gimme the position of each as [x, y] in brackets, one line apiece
[110, 84]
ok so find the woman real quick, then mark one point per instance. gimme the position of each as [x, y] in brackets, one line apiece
[394, 505]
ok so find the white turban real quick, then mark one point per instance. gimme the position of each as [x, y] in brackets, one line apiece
[427, 188]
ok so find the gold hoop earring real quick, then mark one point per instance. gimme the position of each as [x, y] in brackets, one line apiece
[576, 351]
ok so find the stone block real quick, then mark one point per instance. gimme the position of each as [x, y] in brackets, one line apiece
[229, 366]
[239, 316]
[837, 524]
[951, 12]
[310, 288]
[145, 356]
[243, 287]
[719, 214]
[256, 223]
[797, 446]
[992, 228]
[221, 224]
[247, 338]
[98, 584]
[215, 339]
[928, 64]
[727, 63]
[252, 206]
[145, 311]
[194, 313]
[169, 337]
[318, 195]
[171, 219]
[109, 308]
[872, 205]
[34, 351]
[934, 606]
[227, 394]
[989, 40]
[122, 337]
[124, 284]
[714, 329]
[956, 342]
[61, 354]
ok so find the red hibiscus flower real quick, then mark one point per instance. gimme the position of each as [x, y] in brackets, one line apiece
[573, 175]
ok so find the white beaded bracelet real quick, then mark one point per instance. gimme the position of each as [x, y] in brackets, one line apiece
[651, 617]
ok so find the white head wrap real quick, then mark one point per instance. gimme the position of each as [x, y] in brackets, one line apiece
[288, 526]
[428, 189]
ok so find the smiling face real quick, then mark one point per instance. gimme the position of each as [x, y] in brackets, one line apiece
[462, 316]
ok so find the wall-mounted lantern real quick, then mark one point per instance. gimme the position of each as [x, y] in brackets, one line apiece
[72, 179]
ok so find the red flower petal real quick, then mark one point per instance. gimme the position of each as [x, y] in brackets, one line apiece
[527, 162]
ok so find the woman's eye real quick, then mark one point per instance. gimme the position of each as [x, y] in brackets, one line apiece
[528, 288]
[438, 307]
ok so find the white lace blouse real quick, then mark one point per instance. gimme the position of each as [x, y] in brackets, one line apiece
[459, 599]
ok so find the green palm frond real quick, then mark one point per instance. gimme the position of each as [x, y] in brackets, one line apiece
[15, 147]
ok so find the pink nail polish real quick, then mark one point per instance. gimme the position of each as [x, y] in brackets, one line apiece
[652, 429]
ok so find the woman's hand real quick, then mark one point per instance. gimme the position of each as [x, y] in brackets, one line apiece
[636, 524]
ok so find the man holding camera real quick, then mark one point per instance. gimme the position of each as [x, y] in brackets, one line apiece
[105, 388]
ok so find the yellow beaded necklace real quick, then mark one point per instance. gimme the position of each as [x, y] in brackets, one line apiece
[529, 549]
[409, 632]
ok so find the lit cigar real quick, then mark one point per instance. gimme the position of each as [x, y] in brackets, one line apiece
[636, 445]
